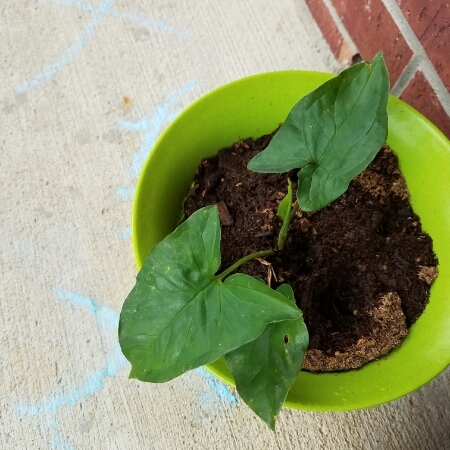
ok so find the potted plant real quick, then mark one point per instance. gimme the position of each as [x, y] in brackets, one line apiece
[252, 107]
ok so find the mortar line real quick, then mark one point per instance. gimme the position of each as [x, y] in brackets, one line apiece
[423, 62]
[406, 76]
[340, 26]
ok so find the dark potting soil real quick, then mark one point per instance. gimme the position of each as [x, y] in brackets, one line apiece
[361, 268]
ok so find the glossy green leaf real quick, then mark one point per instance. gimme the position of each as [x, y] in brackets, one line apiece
[266, 368]
[333, 133]
[284, 213]
[286, 291]
[179, 316]
[285, 206]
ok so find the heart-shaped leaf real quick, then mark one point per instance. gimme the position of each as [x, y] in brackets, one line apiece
[334, 132]
[179, 316]
[265, 369]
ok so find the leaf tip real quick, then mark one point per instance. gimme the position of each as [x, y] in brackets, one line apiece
[271, 423]
[132, 375]
[252, 165]
[135, 374]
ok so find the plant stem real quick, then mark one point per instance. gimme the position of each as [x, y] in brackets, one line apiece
[243, 260]
[284, 229]
[295, 208]
[283, 234]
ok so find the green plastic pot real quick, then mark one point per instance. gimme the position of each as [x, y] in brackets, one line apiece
[255, 106]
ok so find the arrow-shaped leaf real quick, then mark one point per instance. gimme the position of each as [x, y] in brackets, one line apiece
[179, 316]
[265, 369]
[334, 132]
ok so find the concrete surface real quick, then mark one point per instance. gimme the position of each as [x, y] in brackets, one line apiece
[85, 89]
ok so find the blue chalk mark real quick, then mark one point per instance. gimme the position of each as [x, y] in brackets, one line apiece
[104, 9]
[108, 11]
[150, 128]
[106, 317]
[87, 32]
[60, 444]
[126, 233]
[90, 386]
[107, 320]
[219, 388]
[125, 193]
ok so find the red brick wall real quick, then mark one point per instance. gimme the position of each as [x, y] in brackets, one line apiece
[414, 36]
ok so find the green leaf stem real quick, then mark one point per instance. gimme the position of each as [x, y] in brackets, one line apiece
[284, 213]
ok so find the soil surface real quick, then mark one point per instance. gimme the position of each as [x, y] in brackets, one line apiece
[361, 268]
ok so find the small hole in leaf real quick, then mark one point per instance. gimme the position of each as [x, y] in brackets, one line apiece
[286, 338]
